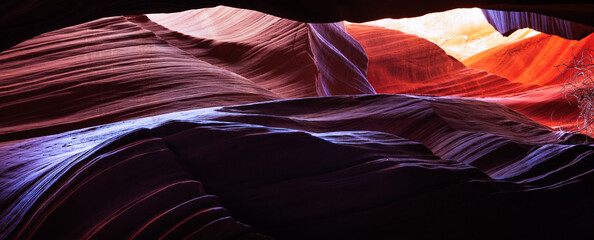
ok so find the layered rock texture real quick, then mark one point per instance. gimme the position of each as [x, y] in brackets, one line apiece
[380, 166]
[507, 22]
[547, 104]
[21, 20]
[461, 33]
[227, 123]
[404, 63]
[121, 68]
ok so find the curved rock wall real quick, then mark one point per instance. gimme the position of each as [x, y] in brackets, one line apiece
[506, 22]
[121, 68]
[348, 167]
[381, 167]
[21, 20]
[546, 104]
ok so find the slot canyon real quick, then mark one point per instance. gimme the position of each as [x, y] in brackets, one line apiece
[261, 119]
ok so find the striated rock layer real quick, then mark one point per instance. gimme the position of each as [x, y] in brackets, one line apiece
[121, 68]
[545, 51]
[405, 63]
[506, 22]
[352, 167]
[23, 19]
[546, 104]
[461, 33]
[518, 74]
[307, 64]
[345, 167]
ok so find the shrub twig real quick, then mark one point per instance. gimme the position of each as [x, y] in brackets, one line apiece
[578, 78]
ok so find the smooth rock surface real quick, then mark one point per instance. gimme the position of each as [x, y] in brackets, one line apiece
[380, 166]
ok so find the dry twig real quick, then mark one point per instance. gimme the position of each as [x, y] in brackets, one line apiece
[578, 75]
